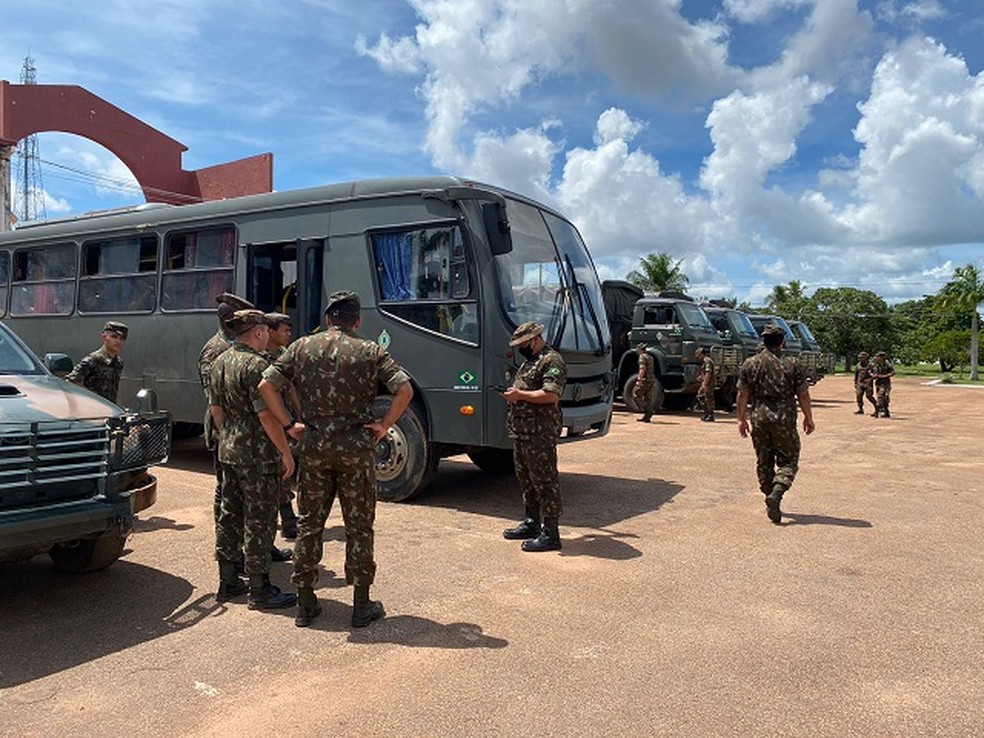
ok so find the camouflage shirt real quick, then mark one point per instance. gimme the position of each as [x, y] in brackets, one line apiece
[882, 374]
[707, 371]
[546, 371]
[99, 373]
[647, 369]
[862, 375]
[336, 374]
[772, 383]
[234, 386]
[212, 349]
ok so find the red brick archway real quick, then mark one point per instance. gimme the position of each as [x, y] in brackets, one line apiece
[153, 158]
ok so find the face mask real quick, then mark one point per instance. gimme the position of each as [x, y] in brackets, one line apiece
[526, 352]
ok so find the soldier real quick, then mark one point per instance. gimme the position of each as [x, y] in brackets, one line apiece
[645, 385]
[706, 391]
[281, 330]
[101, 370]
[535, 423]
[862, 383]
[336, 374]
[882, 373]
[770, 385]
[250, 442]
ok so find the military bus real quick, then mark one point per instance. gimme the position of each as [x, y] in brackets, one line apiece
[446, 269]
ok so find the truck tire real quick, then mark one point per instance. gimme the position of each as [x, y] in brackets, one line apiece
[406, 460]
[89, 554]
[180, 431]
[494, 460]
[629, 400]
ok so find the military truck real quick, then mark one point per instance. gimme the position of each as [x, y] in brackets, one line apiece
[808, 357]
[828, 361]
[672, 326]
[73, 466]
[735, 330]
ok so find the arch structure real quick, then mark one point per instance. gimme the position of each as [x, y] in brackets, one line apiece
[152, 157]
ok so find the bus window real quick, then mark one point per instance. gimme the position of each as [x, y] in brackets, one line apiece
[119, 275]
[197, 268]
[4, 279]
[423, 277]
[44, 281]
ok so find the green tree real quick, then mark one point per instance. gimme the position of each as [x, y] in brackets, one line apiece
[949, 348]
[917, 324]
[847, 320]
[658, 272]
[963, 294]
[788, 301]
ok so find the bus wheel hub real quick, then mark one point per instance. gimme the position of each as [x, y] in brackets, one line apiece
[391, 455]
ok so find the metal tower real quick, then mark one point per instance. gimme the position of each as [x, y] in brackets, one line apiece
[29, 195]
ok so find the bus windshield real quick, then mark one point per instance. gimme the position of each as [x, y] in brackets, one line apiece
[548, 277]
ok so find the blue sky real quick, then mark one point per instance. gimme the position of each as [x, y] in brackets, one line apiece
[837, 142]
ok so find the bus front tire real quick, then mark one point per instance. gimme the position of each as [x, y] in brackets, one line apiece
[406, 460]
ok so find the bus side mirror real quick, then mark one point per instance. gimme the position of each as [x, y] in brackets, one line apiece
[58, 364]
[497, 228]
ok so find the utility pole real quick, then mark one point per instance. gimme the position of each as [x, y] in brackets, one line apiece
[29, 201]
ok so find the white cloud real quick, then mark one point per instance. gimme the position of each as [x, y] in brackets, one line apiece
[755, 11]
[616, 124]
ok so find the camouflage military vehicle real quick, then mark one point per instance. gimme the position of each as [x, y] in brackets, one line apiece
[828, 361]
[73, 466]
[808, 357]
[672, 326]
[735, 330]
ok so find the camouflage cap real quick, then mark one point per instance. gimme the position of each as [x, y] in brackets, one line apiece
[242, 320]
[230, 303]
[772, 330]
[526, 332]
[114, 326]
[275, 319]
[881, 353]
[343, 302]
[863, 355]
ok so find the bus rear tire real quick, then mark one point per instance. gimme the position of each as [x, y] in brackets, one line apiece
[497, 461]
[89, 554]
[406, 460]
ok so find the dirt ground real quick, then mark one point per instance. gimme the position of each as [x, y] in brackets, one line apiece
[675, 607]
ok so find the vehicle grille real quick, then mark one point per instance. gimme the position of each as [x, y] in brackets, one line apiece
[51, 462]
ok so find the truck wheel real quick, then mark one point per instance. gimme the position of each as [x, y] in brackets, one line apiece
[406, 461]
[493, 460]
[181, 431]
[629, 400]
[89, 554]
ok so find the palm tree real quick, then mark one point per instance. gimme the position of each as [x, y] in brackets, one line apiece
[787, 300]
[658, 272]
[964, 293]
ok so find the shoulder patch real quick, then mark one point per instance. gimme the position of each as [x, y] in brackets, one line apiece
[552, 371]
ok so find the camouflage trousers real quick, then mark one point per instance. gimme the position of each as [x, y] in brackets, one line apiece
[777, 450]
[351, 476]
[706, 397]
[248, 516]
[642, 393]
[536, 472]
[217, 499]
[860, 392]
[883, 396]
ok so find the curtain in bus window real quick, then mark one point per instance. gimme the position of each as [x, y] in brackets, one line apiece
[44, 281]
[4, 279]
[394, 255]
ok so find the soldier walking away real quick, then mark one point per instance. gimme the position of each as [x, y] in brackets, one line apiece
[882, 373]
[645, 385]
[101, 370]
[863, 383]
[769, 387]
[535, 422]
[706, 391]
[255, 457]
[281, 330]
[336, 373]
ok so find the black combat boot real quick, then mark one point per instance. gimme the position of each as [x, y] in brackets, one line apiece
[646, 417]
[265, 596]
[772, 503]
[548, 540]
[886, 414]
[529, 528]
[281, 554]
[288, 522]
[860, 410]
[364, 610]
[308, 607]
[708, 418]
[230, 585]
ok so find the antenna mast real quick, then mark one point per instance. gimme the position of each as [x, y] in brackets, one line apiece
[29, 196]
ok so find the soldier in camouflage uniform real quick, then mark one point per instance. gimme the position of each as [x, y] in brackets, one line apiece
[706, 391]
[255, 456]
[882, 373]
[336, 374]
[535, 422]
[645, 384]
[862, 383]
[769, 387]
[101, 370]
[281, 330]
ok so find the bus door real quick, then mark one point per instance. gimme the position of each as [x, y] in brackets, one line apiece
[286, 278]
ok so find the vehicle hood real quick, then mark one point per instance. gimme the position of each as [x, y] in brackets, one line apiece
[43, 397]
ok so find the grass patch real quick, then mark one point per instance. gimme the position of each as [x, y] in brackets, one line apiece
[960, 375]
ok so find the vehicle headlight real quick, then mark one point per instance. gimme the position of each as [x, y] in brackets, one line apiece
[139, 440]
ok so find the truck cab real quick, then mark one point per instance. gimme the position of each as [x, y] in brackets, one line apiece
[810, 359]
[826, 361]
[73, 466]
